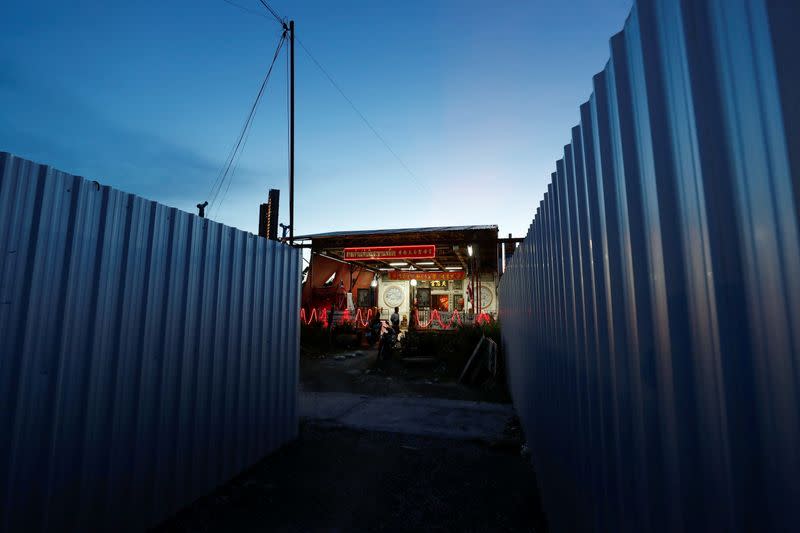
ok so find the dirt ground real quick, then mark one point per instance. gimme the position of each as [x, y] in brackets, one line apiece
[347, 472]
[362, 375]
[338, 479]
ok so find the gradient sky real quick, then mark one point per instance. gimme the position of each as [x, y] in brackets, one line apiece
[477, 98]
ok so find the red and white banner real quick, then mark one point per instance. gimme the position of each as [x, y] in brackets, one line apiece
[384, 253]
[425, 276]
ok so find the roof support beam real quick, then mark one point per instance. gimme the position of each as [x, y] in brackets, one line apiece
[351, 263]
[460, 254]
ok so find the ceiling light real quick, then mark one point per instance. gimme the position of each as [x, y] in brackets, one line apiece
[425, 263]
[398, 264]
[454, 268]
[386, 268]
[469, 250]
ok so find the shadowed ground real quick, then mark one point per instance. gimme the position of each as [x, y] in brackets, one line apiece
[340, 479]
[392, 460]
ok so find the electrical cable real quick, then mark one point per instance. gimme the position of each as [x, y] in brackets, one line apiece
[244, 135]
[361, 115]
[217, 187]
[247, 9]
[233, 172]
[274, 13]
[363, 118]
[349, 101]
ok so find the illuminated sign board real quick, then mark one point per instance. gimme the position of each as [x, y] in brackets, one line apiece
[425, 276]
[386, 253]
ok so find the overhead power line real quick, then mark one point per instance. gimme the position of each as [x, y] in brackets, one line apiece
[230, 168]
[273, 12]
[350, 102]
[362, 116]
[338, 88]
[247, 9]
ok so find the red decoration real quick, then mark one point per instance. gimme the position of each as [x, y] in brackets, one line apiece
[456, 316]
[425, 276]
[364, 323]
[322, 314]
[483, 318]
[382, 253]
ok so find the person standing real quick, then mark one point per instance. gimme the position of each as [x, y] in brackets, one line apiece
[395, 319]
[375, 327]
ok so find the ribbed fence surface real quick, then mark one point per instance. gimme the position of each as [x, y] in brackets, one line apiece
[651, 318]
[147, 355]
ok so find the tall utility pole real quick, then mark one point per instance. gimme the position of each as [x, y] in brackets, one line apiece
[291, 132]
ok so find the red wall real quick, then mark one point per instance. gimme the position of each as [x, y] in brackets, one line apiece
[321, 269]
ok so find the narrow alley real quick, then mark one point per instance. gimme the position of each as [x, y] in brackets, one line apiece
[383, 463]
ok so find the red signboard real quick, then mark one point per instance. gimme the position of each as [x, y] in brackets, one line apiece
[426, 276]
[385, 253]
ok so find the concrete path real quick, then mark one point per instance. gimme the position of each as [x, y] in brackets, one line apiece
[432, 417]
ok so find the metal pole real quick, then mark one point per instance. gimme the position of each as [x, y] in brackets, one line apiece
[291, 132]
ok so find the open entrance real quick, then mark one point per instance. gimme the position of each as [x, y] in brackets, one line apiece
[436, 278]
[438, 283]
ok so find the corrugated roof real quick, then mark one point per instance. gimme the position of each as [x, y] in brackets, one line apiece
[401, 230]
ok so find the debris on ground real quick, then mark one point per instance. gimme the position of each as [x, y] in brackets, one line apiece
[333, 373]
[481, 367]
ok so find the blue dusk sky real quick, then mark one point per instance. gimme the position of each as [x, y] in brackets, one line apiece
[476, 98]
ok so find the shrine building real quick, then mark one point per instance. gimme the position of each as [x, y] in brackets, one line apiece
[449, 274]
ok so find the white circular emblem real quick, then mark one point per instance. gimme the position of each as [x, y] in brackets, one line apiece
[486, 297]
[394, 296]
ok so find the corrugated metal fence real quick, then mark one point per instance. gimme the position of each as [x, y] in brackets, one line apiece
[148, 355]
[651, 318]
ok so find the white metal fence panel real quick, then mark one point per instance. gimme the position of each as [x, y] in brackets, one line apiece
[651, 318]
[146, 354]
